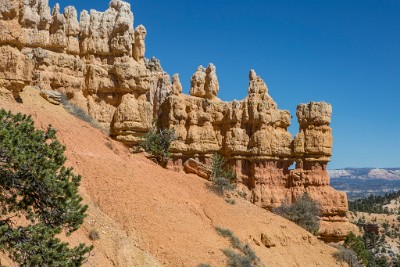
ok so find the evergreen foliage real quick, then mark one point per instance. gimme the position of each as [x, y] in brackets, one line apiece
[356, 243]
[38, 196]
[222, 178]
[374, 204]
[157, 142]
[304, 212]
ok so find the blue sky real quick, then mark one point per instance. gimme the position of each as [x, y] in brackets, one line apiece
[344, 52]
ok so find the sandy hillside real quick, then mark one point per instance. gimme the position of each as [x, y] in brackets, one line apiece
[149, 216]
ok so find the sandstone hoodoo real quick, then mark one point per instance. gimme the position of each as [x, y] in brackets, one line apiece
[252, 134]
[99, 63]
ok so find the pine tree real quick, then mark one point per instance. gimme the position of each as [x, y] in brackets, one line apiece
[38, 196]
[356, 243]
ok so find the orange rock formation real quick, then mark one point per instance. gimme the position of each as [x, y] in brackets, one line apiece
[252, 134]
[99, 63]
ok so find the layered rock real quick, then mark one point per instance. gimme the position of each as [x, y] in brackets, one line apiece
[252, 135]
[98, 62]
[204, 82]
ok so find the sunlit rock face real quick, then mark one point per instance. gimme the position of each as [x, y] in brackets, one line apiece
[95, 61]
[252, 135]
[99, 62]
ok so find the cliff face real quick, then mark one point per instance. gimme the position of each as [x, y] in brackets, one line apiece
[252, 134]
[99, 63]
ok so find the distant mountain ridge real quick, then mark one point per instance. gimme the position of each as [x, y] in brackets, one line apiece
[366, 173]
[361, 182]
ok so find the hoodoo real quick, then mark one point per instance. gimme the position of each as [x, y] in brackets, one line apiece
[252, 134]
[99, 63]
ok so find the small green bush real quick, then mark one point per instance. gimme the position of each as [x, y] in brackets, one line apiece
[242, 194]
[244, 256]
[356, 243]
[222, 178]
[157, 142]
[303, 212]
[94, 235]
[230, 201]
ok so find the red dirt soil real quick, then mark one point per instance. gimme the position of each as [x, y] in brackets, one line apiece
[149, 216]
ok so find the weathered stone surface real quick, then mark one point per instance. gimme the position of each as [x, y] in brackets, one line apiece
[52, 96]
[132, 119]
[176, 84]
[16, 70]
[315, 137]
[252, 134]
[267, 241]
[196, 167]
[96, 61]
[197, 82]
[140, 47]
[99, 63]
[204, 82]
[211, 87]
[252, 126]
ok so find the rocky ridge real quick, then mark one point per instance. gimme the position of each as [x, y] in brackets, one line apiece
[366, 173]
[252, 135]
[99, 63]
[362, 182]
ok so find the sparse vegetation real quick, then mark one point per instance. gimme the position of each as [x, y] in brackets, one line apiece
[374, 204]
[230, 201]
[356, 244]
[80, 113]
[94, 235]
[222, 178]
[382, 211]
[242, 194]
[157, 142]
[111, 146]
[38, 196]
[242, 255]
[303, 212]
[365, 256]
[346, 255]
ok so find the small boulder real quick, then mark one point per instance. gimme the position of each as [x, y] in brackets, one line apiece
[52, 96]
[196, 167]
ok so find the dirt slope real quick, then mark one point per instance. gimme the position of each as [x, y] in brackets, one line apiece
[149, 216]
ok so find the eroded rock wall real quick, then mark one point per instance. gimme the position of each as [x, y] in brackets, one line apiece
[252, 134]
[98, 62]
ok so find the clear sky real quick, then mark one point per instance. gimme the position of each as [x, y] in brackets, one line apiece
[344, 52]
